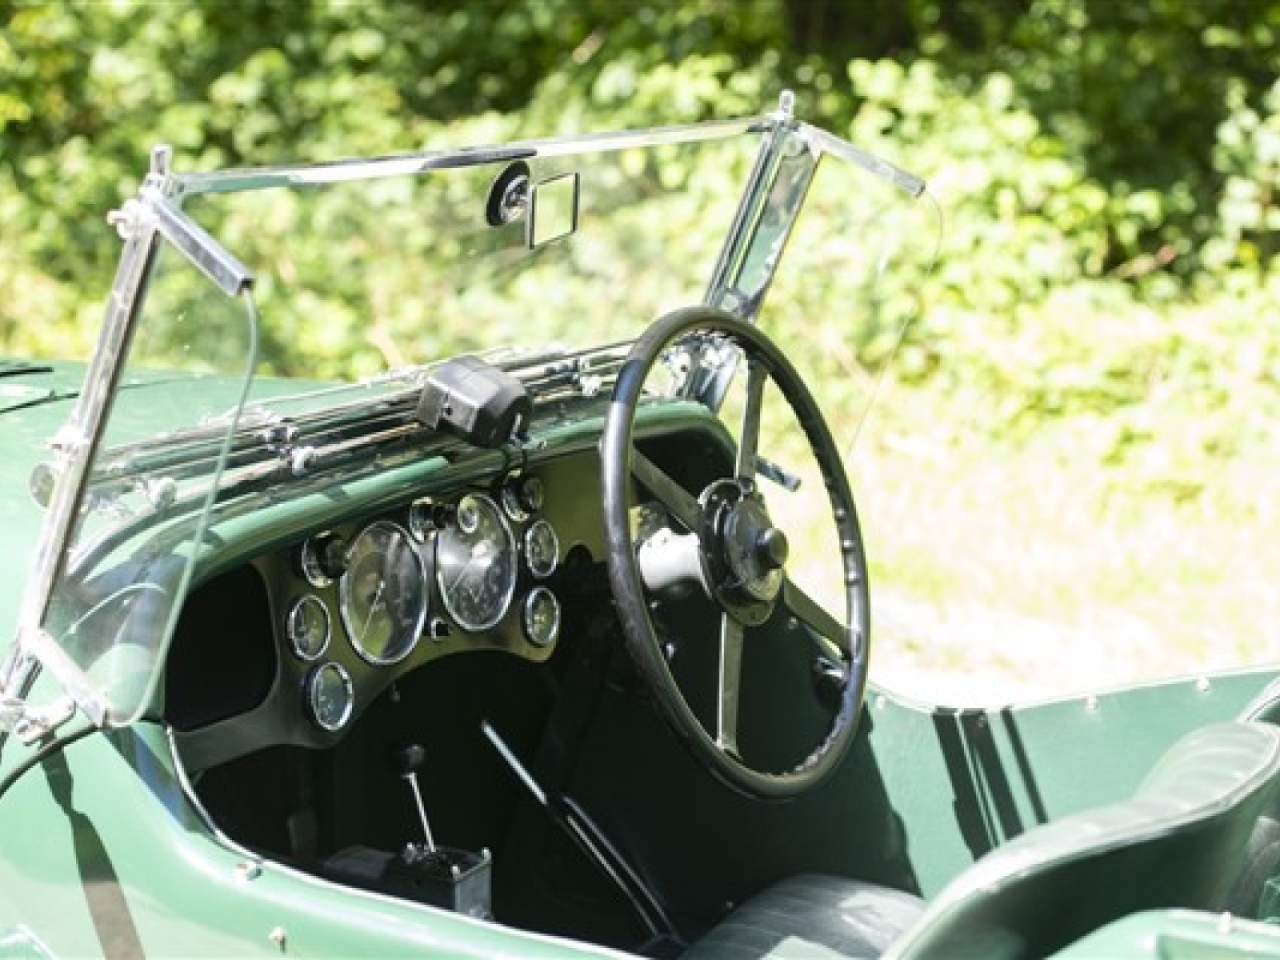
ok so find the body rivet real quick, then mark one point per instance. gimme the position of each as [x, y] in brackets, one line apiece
[248, 870]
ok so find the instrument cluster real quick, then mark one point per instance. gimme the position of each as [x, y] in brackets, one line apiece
[465, 571]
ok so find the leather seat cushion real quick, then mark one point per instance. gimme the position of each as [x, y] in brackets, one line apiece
[811, 917]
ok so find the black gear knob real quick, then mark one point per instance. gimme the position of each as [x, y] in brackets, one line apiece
[408, 759]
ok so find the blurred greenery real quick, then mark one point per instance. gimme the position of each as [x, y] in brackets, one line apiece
[1106, 295]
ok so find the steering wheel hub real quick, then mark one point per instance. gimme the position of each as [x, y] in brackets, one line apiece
[746, 554]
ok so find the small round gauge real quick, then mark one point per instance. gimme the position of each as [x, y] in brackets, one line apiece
[541, 616]
[330, 696]
[308, 627]
[522, 498]
[383, 593]
[476, 564]
[321, 559]
[541, 548]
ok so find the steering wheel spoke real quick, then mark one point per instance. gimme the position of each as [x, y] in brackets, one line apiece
[729, 684]
[816, 617]
[679, 501]
[749, 440]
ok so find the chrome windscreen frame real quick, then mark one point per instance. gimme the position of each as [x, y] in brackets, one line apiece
[143, 223]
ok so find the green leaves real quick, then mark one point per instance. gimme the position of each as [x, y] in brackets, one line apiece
[1099, 164]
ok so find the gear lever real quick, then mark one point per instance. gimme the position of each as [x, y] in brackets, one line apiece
[442, 876]
[407, 762]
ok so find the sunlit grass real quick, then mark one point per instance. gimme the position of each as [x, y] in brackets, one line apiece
[1007, 571]
[1004, 572]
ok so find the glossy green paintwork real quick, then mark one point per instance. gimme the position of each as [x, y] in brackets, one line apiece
[965, 781]
[32, 407]
[134, 861]
[102, 853]
[1178, 935]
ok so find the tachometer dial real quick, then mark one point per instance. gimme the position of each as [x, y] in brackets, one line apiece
[541, 548]
[308, 627]
[476, 564]
[383, 594]
[330, 696]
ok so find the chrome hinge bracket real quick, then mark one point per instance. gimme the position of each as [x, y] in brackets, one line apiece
[31, 724]
[12, 710]
[36, 723]
[127, 219]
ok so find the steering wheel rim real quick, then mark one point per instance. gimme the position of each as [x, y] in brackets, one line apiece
[621, 462]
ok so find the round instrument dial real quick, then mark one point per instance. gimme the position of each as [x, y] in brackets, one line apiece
[383, 594]
[308, 627]
[330, 696]
[322, 559]
[541, 548]
[476, 564]
[522, 498]
[541, 616]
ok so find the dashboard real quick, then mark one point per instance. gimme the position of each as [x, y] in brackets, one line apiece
[292, 646]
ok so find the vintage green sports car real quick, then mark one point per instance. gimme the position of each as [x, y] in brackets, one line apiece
[547, 632]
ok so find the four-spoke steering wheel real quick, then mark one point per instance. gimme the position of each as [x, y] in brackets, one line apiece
[741, 556]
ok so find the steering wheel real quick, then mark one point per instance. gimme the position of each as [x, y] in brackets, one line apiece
[740, 556]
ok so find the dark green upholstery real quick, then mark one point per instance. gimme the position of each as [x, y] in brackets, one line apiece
[812, 918]
[1178, 842]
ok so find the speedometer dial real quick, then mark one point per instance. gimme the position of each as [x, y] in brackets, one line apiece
[476, 564]
[383, 594]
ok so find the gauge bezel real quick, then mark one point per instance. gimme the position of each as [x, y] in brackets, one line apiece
[308, 600]
[541, 571]
[526, 616]
[407, 643]
[311, 563]
[523, 497]
[314, 679]
[508, 546]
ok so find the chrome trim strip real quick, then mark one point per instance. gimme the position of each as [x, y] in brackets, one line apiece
[261, 178]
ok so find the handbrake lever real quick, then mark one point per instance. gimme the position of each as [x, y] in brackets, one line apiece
[584, 832]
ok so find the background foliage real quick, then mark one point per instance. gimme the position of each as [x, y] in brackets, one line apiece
[1099, 341]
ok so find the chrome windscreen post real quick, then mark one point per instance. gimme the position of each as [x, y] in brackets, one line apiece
[143, 223]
